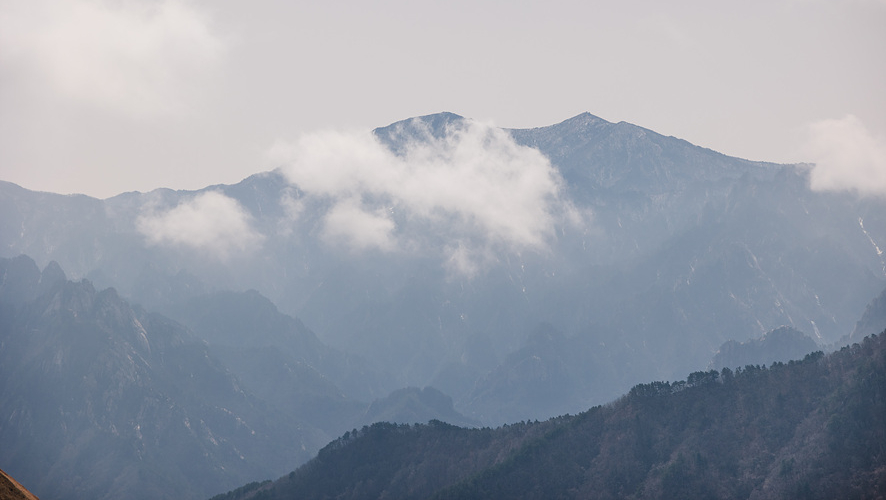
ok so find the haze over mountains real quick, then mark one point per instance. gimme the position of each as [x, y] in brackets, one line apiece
[809, 429]
[521, 274]
[102, 400]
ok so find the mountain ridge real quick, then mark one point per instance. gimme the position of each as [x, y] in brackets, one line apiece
[96, 393]
[654, 254]
[707, 247]
[806, 429]
[102, 399]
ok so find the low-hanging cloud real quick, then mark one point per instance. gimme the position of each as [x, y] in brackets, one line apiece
[847, 157]
[130, 56]
[474, 188]
[210, 222]
[358, 228]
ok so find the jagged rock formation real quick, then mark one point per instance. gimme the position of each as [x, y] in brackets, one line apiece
[102, 400]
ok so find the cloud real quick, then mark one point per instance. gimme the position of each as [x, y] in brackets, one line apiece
[847, 157]
[210, 222]
[465, 259]
[468, 191]
[130, 56]
[360, 229]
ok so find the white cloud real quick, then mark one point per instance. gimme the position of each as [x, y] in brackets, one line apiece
[334, 163]
[293, 208]
[847, 157]
[471, 190]
[130, 56]
[464, 260]
[211, 222]
[360, 229]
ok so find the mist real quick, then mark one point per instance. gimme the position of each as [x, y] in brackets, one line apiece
[474, 188]
[209, 222]
[847, 156]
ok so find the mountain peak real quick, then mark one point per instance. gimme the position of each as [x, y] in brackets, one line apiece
[585, 119]
[52, 276]
[413, 405]
[781, 344]
[435, 122]
[436, 126]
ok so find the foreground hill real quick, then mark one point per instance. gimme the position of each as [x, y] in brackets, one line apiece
[10, 489]
[814, 428]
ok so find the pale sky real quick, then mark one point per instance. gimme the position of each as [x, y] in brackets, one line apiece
[107, 96]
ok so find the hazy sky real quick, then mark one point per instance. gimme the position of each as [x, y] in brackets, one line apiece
[105, 96]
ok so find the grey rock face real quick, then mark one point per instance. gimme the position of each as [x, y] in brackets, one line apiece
[102, 400]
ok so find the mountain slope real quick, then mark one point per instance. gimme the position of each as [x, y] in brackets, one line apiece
[679, 250]
[809, 429]
[101, 400]
[413, 405]
[782, 344]
[10, 489]
[873, 319]
[244, 321]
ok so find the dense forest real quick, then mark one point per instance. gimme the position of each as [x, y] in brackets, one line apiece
[814, 428]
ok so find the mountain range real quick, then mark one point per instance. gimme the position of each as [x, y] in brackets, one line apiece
[676, 250]
[814, 428]
[435, 269]
[102, 399]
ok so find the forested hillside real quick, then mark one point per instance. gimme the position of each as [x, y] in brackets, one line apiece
[814, 428]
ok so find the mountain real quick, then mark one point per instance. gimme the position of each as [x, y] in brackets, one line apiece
[99, 399]
[650, 254]
[280, 360]
[413, 405]
[277, 358]
[782, 344]
[245, 321]
[102, 399]
[516, 274]
[551, 371]
[873, 319]
[814, 428]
